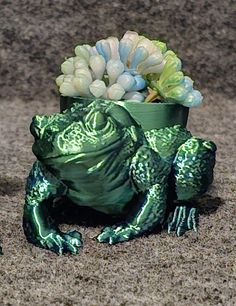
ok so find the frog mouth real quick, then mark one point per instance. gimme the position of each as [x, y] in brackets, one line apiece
[66, 158]
[35, 131]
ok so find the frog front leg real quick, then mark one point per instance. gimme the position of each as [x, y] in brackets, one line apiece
[38, 225]
[149, 173]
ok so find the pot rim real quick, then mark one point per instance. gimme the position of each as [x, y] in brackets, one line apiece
[148, 115]
[152, 104]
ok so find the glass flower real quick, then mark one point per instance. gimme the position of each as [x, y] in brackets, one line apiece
[111, 69]
[173, 86]
[133, 68]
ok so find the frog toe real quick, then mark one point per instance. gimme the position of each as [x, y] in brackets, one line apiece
[183, 219]
[53, 242]
[73, 241]
[113, 235]
[62, 243]
[105, 234]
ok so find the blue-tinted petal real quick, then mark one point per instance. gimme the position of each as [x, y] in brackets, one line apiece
[140, 83]
[193, 99]
[103, 49]
[140, 55]
[126, 80]
[187, 83]
[125, 47]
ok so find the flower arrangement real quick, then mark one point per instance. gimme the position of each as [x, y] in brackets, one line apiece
[132, 69]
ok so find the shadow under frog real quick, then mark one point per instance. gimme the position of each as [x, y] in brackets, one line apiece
[98, 156]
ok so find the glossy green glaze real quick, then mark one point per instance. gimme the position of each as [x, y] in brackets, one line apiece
[149, 115]
[97, 155]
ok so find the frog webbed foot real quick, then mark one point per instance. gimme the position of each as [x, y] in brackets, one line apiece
[117, 233]
[183, 219]
[61, 243]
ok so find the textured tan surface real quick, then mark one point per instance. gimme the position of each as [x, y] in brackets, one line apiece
[154, 270]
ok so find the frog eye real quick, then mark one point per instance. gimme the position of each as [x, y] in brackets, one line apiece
[121, 115]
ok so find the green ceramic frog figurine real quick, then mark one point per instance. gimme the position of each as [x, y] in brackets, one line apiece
[97, 155]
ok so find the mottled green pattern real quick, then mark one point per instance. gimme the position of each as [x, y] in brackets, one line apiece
[166, 141]
[193, 168]
[148, 168]
[98, 156]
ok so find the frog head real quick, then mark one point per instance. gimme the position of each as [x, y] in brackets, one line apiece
[96, 128]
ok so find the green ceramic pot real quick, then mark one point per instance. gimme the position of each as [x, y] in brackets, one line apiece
[149, 115]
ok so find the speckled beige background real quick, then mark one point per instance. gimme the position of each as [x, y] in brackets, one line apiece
[35, 36]
[154, 270]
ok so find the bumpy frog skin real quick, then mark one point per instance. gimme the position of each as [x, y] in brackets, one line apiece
[97, 155]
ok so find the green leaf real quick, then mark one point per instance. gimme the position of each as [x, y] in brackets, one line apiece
[173, 80]
[178, 93]
[161, 45]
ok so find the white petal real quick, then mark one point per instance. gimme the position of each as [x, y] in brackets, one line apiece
[68, 66]
[114, 69]
[67, 89]
[148, 45]
[59, 80]
[97, 88]
[80, 62]
[134, 96]
[133, 36]
[82, 85]
[154, 69]
[115, 92]
[154, 59]
[98, 65]
[68, 78]
[114, 46]
[93, 51]
[82, 52]
[83, 72]
[88, 48]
